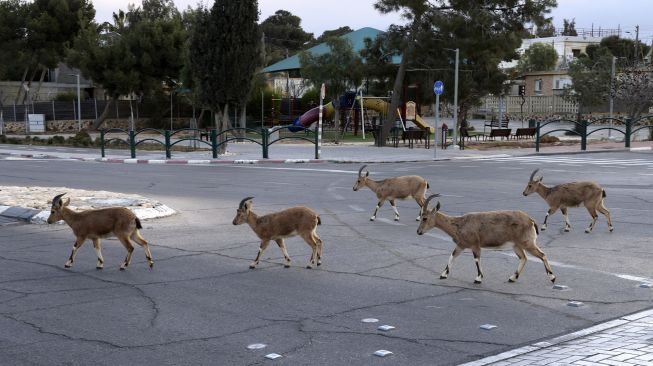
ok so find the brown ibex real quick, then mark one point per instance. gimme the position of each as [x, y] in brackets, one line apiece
[276, 226]
[393, 188]
[492, 230]
[567, 195]
[97, 224]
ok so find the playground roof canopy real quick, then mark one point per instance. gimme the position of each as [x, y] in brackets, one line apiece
[357, 39]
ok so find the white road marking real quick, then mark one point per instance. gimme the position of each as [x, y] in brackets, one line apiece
[356, 208]
[295, 169]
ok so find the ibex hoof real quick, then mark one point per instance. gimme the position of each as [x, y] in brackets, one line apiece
[251, 266]
[442, 277]
[512, 279]
[67, 265]
[286, 266]
[122, 268]
[99, 267]
[588, 231]
[151, 265]
[568, 230]
[396, 219]
[611, 229]
[371, 218]
[477, 282]
[543, 228]
[319, 263]
[308, 266]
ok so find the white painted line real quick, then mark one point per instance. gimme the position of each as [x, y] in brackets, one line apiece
[273, 356]
[641, 148]
[385, 327]
[356, 208]
[4, 208]
[199, 161]
[130, 161]
[439, 236]
[296, 169]
[488, 326]
[156, 161]
[256, 346]
[382, 353]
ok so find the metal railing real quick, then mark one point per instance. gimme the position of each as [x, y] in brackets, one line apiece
[169, 138]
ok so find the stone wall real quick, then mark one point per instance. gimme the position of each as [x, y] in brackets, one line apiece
[70, 126]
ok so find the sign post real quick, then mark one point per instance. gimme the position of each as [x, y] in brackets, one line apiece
[319, 123]
[438, 88]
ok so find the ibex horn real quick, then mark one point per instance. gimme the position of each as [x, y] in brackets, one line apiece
[426, 203]
[56, 199]
[242, 203]
[361, 170]
[533, 174]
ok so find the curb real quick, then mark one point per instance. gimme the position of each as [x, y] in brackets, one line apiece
[39, 217]
[560, 339]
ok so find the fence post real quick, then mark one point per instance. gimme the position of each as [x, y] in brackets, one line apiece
[214, 143]
[583, 135]
[102, 141]
[132, 143]
[264, 135]
[14, 112]
[74, 111]
[168, 147]
[629, 131]
[95, 101]
[54, 114]
[537, 137]
[317, 146]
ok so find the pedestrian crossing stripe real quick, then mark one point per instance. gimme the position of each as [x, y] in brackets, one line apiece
[572, 160]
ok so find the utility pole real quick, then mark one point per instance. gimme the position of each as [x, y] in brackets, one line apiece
[611, 96]
[636, 44]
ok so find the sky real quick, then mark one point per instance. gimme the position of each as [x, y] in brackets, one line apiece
[318, 16]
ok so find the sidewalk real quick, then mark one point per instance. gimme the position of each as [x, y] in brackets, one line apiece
[625, 341]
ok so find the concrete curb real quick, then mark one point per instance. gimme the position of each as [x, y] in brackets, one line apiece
[39, 217]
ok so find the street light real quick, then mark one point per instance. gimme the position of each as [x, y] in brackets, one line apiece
[79, 104]
[614, 59]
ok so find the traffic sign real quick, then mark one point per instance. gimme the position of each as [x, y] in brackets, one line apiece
[438, 87]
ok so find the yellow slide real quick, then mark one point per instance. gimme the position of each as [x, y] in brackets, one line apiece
[381, 106]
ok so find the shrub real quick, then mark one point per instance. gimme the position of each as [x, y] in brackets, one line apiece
[65, 97]
[549, 139]
[3, 139]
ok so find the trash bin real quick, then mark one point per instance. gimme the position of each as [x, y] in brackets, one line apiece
[531, 123]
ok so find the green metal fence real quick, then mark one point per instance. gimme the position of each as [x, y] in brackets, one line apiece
[169, 138]
[628, 128]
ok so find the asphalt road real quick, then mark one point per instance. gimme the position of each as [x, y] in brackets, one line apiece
[202, 305]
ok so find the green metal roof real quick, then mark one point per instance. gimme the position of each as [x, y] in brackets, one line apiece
[357, 39]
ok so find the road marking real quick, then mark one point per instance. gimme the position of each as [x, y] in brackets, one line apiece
[356, 208]
[295, 169]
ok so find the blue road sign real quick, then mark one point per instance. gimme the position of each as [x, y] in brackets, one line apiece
[438, 87]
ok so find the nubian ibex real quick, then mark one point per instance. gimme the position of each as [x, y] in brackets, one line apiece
[393, 188]
[276, 226]
[97, 224]
[567, 195]
[491, 230]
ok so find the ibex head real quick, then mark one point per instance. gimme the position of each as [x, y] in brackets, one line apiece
[533, 183]
[243, 211]
[362, 179]
[428, 216]
[55, 211]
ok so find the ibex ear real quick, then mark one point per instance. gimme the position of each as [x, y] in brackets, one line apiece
[67, 202]
[539, 179]
[437, 206]
[367, 174]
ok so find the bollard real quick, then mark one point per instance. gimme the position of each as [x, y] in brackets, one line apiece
[167, 138]
[102, 142]
[214, 144]
[583, 135]
[629, 131]
[132, 143]
[264, 135]
[537, 137]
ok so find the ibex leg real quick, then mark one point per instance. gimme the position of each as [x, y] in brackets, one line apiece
[264, 244]
[78, 243]
[536, 251]
[130, 250]
[564, 214]
[595, 216]
[136, 236]
[477, 259]
[394, 207]
[286, 257]
[456, 252]
[522, 262]
[98, 252]
[378, 205]
[551, 211]
[606, 213]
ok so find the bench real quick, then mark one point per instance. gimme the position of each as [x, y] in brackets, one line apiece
[528, 132]
[464, 133]
[415, 134]
[205, 133]
[493, 123]
[499, 132]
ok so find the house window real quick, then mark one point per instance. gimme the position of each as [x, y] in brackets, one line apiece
[538, 86]
[575, 52]
[562, 83]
